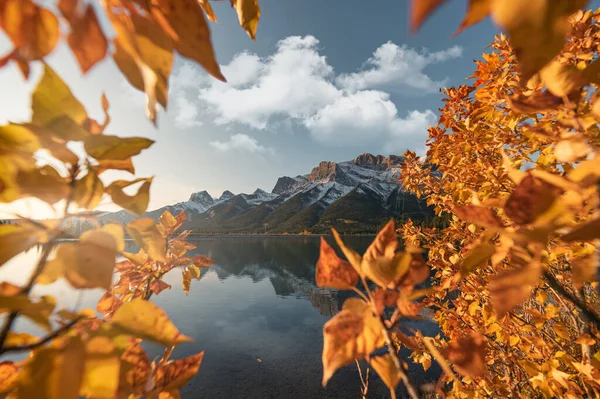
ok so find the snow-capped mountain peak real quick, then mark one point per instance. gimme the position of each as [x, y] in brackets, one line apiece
[361, 192]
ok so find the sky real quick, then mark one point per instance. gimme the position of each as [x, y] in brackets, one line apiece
[325, 80]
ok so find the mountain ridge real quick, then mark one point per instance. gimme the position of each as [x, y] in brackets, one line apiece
[355, 196]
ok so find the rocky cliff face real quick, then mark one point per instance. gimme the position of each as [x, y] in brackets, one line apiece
[202, 198]
[284, 184]
[378, 162]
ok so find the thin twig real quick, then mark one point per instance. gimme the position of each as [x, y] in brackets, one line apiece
[575, 300]
[413, 391]
[47, 338]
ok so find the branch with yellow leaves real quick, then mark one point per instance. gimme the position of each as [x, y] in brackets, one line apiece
[574, 299]
[55, 334]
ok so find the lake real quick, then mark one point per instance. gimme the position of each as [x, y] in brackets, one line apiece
[256, 313]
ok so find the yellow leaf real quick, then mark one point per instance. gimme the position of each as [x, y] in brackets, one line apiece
[54, 372]
[537, 29]
[44, 183]
[140, 258]
[348, 336]
[511, 287]
[385, 272]
[88, 191]
[15, 239]
[384, 245]
[387, 370]
[147, 321]
[208, 10]
[18, 339]
[333, 272]
[187, 280]
[52, 98]
[561, 79]
[104, 147]
[356, 305]
[478, 10]
[248, 12]
[37, 311]
[147, 236]
[476, 257]
[91, 262]
[19, 138]
[167, 220]
[33, 30]
[354, 258]
[571, 150]
[115, 164]
[562, 331]
[184, 22]
[587, 172]
[101, 370]
[137, 203]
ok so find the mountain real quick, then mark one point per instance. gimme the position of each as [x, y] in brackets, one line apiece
[356, 196]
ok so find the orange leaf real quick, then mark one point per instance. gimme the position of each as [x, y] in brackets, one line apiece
[8, 376]
[530, 198]
[203, 261]
[384, 245]
[86, 39]
[175, 374]
[248, 12]
[33, 30]
[387, 370]
[511, 287]
[333, 272]
[420, 11]
[184, 22]
[158, 286]
[208, 10]
[477, 214]
[468, 355]
[347, 336]
[478, 10]
[108, 303]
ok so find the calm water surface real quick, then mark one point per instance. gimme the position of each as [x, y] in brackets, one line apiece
[259, 301]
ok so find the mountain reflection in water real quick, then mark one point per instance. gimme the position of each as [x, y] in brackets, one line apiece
[259, 301]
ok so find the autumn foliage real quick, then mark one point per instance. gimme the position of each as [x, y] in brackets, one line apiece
[84, 353]
[513, 158]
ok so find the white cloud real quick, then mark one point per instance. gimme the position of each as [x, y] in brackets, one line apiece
[242, 143]
[186, 113]
[398, 67]
[368, 119]
[296, 84]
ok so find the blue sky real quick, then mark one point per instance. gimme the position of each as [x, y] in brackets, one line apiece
[325, 80]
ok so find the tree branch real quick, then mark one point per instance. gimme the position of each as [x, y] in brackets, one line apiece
[47, 338]
[413, 391]
[574, 299]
